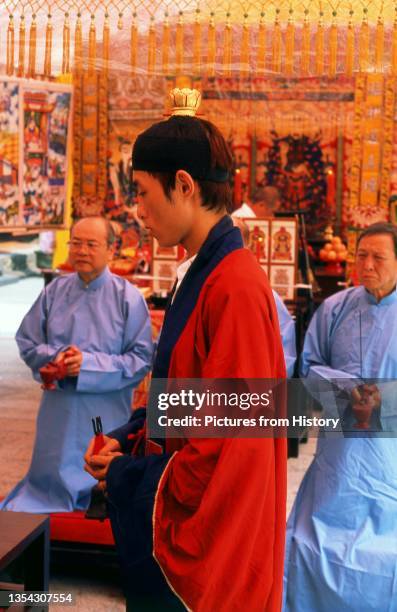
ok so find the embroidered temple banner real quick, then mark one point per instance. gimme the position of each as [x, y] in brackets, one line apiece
[34, 143]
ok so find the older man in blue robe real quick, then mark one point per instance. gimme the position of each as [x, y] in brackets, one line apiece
[99, 324]
[342, 532]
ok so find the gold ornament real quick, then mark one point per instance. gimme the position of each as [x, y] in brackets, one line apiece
[185, 101]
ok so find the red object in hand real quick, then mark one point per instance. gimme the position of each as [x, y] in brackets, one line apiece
[99, 443]
[362, 411]
[51, 372]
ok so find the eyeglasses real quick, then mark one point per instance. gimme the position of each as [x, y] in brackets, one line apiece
[90, 245]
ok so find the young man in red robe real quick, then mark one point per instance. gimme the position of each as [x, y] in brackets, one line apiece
[201, 526]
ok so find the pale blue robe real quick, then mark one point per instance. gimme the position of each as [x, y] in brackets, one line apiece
[287, 330]
[342, 533]
[109, 322]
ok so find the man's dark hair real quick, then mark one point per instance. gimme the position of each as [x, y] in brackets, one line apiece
[196, 135]
[380, 228]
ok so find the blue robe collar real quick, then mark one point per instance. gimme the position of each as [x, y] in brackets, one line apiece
[221, 240]
[97, 283]
[386, 301]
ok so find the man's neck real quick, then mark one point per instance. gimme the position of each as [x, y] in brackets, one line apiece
[89, 277]
[381, 294]
[196, 238]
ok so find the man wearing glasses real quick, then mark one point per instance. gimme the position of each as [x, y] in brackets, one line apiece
[99, 324]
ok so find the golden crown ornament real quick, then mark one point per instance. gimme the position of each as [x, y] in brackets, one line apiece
[185, 102]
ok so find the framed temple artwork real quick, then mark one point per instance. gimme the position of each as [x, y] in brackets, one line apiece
[258, 241]
[35, 140]
[283, 241]
[282, 280]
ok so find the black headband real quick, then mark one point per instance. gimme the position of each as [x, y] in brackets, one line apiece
[165, 148]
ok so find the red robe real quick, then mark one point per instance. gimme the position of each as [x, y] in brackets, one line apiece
[219, 517]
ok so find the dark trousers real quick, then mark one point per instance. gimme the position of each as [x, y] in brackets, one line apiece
[148, 591]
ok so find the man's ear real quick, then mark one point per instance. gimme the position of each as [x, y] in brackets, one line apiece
[185, 183]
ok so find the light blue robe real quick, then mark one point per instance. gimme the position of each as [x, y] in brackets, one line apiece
[109, 322]
[342, 532]
[287, 329]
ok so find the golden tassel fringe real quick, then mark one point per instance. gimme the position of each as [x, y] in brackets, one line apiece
[394, 49]
[276, 55]
[379, 45]
[151, 49]
[106, 45]
[197, 47]
[92, 46]
[211, 53]
[134, 46]
[166, 46]
[227, 49]
[32, 48]
[289, 48]
[350, 50]
[179, 45]
[48, 47]
[333, 49]
[320, 49]
[305, 58]
[78, 46]
[261, 58]
[364, 46]
[10, 46]
[245, 51]
[21, 58]
[66, 45]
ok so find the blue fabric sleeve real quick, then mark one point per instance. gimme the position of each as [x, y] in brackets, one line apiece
[316, 356]
[287, 329]
[102, 372]
[31, 336]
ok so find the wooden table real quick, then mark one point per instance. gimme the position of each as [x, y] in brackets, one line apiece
[25, 540]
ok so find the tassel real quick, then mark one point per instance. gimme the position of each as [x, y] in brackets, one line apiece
[333, 48]
[227, 48]
[350, 47]
[10, 46]
[197, 45]
[364, 44]
[166, 45]
[379, 45]
[78, 46]
[211, 47]
[66, 45]
[179, 44]
[151, 47]
[48, 47]
[245, 52]
[92, 45]
[289, 45]
[261, 58]
[305, 59]
[394, 49]
[32, 48]
[21, 59]
[120, 21]
[276, 45]
[134, 45]
[320, 47]
[106, 44]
